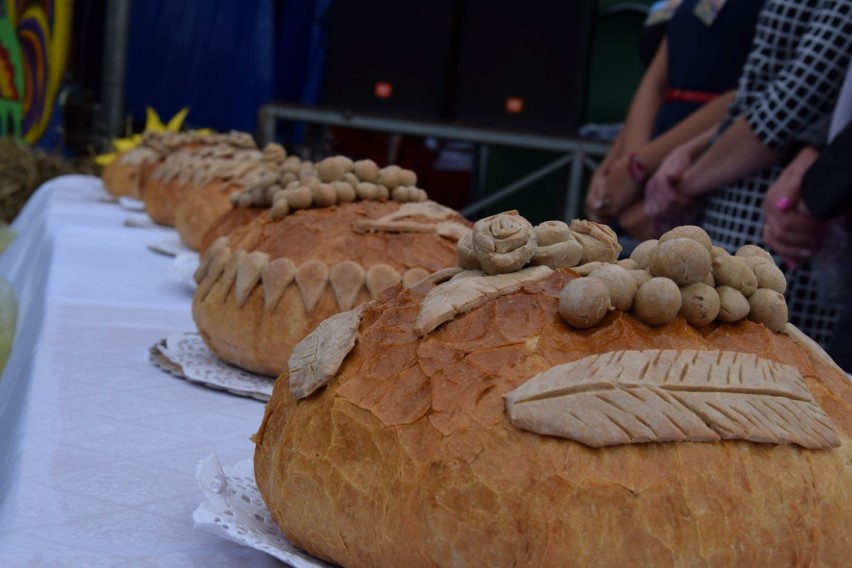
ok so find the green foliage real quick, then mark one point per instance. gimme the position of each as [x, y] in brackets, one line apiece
[8, 321]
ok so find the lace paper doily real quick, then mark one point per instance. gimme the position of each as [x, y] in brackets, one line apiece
[183, 268]
[185, 355]
[97, 192]
[235, 510]
[140, 221]
[169, 246]
[103, 197]
[131, 203]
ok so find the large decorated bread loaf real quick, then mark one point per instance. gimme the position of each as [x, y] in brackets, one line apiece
[217, 180]
[511, 415]
[313, 253]
[127, 173]
[250, 183]
[187, 168]
[300, 184]
[223, 225]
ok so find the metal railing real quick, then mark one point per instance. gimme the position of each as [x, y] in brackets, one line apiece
[577, 153]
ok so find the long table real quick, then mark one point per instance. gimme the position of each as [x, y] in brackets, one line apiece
[98, 447]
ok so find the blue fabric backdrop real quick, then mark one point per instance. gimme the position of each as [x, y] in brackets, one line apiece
[218, 57]
[300, 44]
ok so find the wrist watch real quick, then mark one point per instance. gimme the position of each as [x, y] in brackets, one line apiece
[636, 168]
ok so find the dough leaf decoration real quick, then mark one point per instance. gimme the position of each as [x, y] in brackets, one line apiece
[461, 295]
[311, 277]
[276, 276]
[428, 209]
[211, 270]
[229, 274]
[441, 276]
[380, 277]
[452, 230]
[249, 274]
[347, 279]
[317, 358]
[654, 395]
[409, 219]
[414, 275]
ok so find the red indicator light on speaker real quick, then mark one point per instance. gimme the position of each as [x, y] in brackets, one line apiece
[383, 90]
[514, 105]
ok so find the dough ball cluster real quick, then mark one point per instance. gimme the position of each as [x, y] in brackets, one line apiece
[300, 184]
[682, 273]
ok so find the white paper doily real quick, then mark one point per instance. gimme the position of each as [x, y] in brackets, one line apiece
[186, 355]
[99, 195]
[140, 221]
[169, 246]
[97, 192]
[131, 203]
[183, 268]
[235, 510]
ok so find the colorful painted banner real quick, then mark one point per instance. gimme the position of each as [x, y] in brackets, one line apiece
[34, 40]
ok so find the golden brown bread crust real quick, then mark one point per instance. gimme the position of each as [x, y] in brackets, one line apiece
[121, 179]
[162, 197]
[227, 222]
[126, 179]
[200, 209]
[408, 458]
[261, 340]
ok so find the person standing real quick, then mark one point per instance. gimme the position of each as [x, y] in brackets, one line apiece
[790, 83]
[808, 212]
[686, 88]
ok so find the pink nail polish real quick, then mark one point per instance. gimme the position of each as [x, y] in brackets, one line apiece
[783, 203]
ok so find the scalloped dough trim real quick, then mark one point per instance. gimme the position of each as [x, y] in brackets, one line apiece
[241, 272]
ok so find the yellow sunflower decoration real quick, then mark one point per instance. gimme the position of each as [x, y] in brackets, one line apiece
[152, 124]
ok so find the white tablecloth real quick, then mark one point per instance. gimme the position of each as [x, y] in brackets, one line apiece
[98, 447]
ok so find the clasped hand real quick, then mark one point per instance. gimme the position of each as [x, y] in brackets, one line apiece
[611, 192]
[664, 199]
[789, 227]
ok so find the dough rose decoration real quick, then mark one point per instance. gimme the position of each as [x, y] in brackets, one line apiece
[600, 243]
[503, 243]
[507, 242]
[556, 245]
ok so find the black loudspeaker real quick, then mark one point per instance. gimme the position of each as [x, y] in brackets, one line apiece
[523, 65]
[390, 56]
